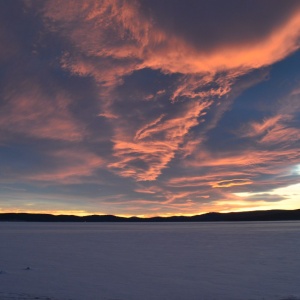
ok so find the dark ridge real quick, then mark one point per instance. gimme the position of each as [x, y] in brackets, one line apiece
[265, 215]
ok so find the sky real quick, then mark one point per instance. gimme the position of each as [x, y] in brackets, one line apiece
[149, 107]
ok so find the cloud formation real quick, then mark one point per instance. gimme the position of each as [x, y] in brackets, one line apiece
[155, 105]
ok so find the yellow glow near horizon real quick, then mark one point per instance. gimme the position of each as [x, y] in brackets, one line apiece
[242, 202]
[291, 192]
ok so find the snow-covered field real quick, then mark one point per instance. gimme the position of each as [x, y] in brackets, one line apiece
[175, 261]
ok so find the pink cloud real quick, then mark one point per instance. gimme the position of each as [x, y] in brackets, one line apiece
[273, 130]
[31, 112]
[113, 39]
[279, 127]
[118, 30]
[230, 183]
[213, 178]
[74, 165]
[154, 144]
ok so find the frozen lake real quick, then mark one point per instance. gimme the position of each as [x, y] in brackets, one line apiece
[150, 261]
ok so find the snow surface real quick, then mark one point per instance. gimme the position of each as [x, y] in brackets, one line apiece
[161, 261]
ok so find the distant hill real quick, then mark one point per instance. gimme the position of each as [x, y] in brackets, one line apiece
[266, 215]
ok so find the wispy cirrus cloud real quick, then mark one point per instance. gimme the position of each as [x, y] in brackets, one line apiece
[70, 166]
[30, 111]
[125, 37]
[144, 155]
[140, 32]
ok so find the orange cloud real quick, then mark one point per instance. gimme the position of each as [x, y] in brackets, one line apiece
[176, 55]
[273, 130]
[214, 178]
[149, 190]
[74, 165]
[278, 128]
[230, 183]
[112, 39]
[154, 144]
[118, 30]
[29, 111]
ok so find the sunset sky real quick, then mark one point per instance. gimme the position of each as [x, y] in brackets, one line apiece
[149, 107]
